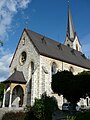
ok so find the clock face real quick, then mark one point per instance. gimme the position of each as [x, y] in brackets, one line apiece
[23, 57]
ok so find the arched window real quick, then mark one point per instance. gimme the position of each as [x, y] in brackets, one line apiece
[15, 69]
[32, 67]
[77, 47]
[54, 68]
[68, 45]
[71, 69]
[23, 57]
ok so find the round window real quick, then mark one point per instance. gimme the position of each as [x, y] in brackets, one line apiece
[23, 57]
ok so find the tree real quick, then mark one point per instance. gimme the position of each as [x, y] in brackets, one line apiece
[1, 91]
[83, 79]
[72, 87]
[63, 83]
[1, 42]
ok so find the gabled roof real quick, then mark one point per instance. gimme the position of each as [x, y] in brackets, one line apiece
[16, 77]
[53, 49]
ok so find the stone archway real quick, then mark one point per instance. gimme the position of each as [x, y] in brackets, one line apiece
[17, 96]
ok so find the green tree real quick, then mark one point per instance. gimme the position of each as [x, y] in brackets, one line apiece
[1, 42]
[83, 81]
[63, 83]
[1, 91]
[72, 87]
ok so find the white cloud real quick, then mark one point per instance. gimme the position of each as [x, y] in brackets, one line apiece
[8, 8]
[4, 64]
[24, 3]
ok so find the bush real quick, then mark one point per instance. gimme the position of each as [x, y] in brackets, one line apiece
[43, 108]
[70, 118]
[83, 116]
[14, 116]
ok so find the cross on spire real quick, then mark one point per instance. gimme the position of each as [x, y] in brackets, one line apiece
[68, 2]
[27, 22]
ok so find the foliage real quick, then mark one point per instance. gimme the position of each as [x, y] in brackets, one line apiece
[27, 108]
[42, 109]
[70, 118]
[38, 108]
[72, 87]
[1, 42]
[83, 116]
[84, 83]
[63, 83]
[30, 115]
[14, 116]
[1, 91]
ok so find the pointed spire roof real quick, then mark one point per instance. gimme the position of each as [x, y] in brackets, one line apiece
[70, 26]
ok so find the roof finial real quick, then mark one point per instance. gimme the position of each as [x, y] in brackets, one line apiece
[68, 2]
[27, 22]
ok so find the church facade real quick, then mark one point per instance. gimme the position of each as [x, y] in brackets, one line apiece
[34, 62]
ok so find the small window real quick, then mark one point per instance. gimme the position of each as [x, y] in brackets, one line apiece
[68, 45]
[23, 57]
[54, 68]
[23, 41]
[77, 47]
[32, 67]
[71, 69]
[15, 69]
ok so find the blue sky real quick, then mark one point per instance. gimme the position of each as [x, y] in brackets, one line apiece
[48, 17]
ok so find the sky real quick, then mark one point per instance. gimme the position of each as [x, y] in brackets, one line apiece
[47, 17]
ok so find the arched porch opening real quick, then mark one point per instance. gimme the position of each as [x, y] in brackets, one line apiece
[17, 96]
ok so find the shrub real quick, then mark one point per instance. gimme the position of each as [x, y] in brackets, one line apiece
[1, 91]
[14, 116]
[83, 116]
[70, 118]
[43, 108]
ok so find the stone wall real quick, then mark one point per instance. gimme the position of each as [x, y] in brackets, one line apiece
[46, 77]
[32, 56]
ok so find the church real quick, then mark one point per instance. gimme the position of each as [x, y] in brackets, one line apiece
[36, 59]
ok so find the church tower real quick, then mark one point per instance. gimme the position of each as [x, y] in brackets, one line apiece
[71, 40]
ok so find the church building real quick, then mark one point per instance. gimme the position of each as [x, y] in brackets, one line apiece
[36, 59]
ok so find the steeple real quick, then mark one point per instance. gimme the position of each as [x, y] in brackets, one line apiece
[71, 40]
[70, 26]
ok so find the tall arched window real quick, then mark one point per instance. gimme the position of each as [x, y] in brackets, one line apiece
[54, 68]
[32, 67]
[77, 47]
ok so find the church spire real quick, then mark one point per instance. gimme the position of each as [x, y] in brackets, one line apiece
[70, 26]
[71, 40]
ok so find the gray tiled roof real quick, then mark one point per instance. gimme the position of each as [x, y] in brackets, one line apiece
[16, 77]
[56, 50]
